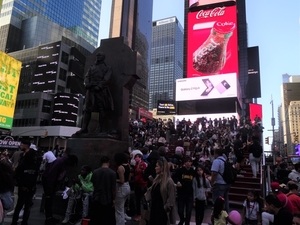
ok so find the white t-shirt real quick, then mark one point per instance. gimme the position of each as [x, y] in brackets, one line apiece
[252, 210]
[49, 157]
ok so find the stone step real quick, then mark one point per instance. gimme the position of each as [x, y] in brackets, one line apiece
[243, 184]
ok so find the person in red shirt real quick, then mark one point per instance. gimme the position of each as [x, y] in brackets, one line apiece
[140, 184]
[294, 197]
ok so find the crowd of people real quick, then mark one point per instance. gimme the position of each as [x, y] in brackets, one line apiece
[158, 179]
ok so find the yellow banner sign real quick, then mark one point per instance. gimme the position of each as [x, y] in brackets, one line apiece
[10, 69]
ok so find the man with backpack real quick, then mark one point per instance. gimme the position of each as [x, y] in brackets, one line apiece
[219, 186]
[255, 151]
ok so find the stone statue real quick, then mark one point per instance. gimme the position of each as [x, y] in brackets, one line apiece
[98, 97]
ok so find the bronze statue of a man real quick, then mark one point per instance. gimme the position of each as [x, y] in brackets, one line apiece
[98, 97]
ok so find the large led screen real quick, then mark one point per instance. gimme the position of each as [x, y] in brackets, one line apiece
[166, 107]
[65, 110]
[44, 79]
[253, 83]
[10, 69]
[209, 87]
[196, 3]
[212, 42]
[255, 110]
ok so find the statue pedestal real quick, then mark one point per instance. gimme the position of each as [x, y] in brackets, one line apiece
[90, 150]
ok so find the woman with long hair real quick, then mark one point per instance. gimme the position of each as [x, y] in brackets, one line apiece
[163, 196]
[201, 186]
[123, 188]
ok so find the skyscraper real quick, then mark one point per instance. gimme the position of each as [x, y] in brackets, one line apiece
[166, 59]
[26, 23]
[132, 19]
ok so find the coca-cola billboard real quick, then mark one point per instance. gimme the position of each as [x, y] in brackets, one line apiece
[212, 42]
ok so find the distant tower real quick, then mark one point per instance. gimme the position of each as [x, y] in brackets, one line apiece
[166, 59]
[132, 19]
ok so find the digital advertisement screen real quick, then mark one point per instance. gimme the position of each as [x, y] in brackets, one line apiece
[165, 107]
[255, 110]
[253, 84]
[212, 42]
[209, 87]
[65, 110]
[197, 3]
[44, 79]
[9, 83]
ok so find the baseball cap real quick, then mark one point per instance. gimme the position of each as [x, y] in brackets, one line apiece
[275, 186]
[33, 146]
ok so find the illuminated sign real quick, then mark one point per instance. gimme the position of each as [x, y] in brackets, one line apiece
[165, 21]
[197, 3]
[209, 87]
[144, 113]
[165, 107]
[65, 109]
[255, 110]
[212, 42]
[46, 70]
[10, 69]
[253, 83]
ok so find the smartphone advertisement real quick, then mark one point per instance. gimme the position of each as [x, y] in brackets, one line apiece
[212, 42]
[209, 87]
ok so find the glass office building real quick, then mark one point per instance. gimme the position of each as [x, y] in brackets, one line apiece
[79, 18]
[166, 59]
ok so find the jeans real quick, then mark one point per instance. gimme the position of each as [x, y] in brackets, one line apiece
[254, 162]
[199, 211]
[25, 198]
[72, 202]
[123, 191]
[267, 218]
[221, 190]
[185, 200]
[139, 193]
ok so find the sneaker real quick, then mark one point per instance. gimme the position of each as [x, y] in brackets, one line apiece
[240, 175]
[10, 213]
[66, 219]
[78, 222]
[137, 218]
[127, 217]
[21, 213]
[243, 171]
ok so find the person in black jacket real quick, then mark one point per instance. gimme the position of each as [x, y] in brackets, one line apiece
[26, 177]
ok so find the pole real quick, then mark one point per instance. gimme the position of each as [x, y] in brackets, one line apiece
[273, 131]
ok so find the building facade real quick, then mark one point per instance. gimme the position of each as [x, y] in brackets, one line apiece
[24, 24]
[132, 19]
[166, 60]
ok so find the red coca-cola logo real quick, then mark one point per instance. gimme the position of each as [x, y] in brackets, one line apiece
[216, 12]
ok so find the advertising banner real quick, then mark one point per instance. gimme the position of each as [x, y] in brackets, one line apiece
[197, 3]
[166, 107]
[253, 84]
[10, 70]
[255, 110]
[209, 87]
[212, 44]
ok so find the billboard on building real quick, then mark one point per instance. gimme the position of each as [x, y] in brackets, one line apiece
[10, 69]
[253, 84]
[166, 107]
[65, 110]
[212, 43]
[208, 87]
[198, 3]
[143, 113]
[255, 110]
[44, 79]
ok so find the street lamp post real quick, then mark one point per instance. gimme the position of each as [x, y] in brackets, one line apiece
[273, 133]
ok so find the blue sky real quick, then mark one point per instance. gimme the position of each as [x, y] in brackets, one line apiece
[272, 25]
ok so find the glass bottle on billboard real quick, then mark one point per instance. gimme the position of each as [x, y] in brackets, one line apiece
[211, 56]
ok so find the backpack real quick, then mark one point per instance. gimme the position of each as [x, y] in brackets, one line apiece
[230, 173]
[257, 152]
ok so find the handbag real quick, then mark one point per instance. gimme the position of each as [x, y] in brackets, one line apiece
[147, 195]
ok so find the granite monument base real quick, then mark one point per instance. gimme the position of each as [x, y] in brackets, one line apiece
[90, 150]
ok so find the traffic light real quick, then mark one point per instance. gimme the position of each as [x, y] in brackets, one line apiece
[45, 133]
[267, 140]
